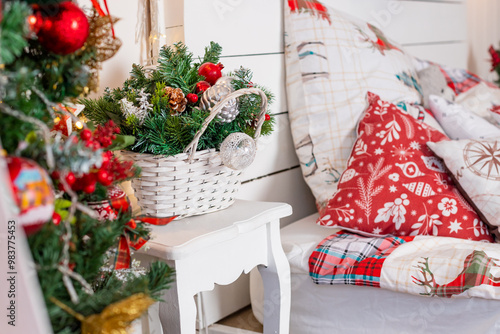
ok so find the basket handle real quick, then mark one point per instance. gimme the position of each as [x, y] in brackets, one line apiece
[218, 107]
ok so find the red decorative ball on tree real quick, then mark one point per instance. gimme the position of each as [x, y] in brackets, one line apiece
[211, 72]
[64, 28]
[104, 178]
[86, 134]
[89, 188]
[202, 86]
[56, 218]
[70, 179]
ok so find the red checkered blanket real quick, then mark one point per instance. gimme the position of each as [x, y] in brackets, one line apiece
[422, 265]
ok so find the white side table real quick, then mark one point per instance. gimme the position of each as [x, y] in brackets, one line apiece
[215, 249]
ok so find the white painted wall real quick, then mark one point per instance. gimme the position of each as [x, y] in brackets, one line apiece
[483, 19]
[116, 70]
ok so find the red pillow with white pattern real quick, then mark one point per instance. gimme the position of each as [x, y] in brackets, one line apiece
[394, 184]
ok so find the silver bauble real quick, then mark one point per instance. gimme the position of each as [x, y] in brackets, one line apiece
[238, 151]
[225, 80]
[215, 94]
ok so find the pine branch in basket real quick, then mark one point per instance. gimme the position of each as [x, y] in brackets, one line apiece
[174, 64]
[153, 107]
[212, 53]
[102, 110]
[162, 134]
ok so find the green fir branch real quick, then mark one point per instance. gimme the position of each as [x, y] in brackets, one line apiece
[13, 29]
[175, 67]
[212, 53]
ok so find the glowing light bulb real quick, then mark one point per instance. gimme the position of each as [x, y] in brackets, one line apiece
[32, 19]
[79, 125]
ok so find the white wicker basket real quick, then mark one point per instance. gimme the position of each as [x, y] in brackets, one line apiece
[193, 182]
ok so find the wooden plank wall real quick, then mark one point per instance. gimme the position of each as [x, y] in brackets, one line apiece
[251, 35]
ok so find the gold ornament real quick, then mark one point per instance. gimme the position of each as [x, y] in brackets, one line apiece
[176, 99]
[106, 45]
[115, 318]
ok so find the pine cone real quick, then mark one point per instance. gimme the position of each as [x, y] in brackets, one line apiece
[176, 99]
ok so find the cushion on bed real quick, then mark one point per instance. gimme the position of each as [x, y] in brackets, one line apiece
[460, 123]
[461, 80]
[481, 100]
[475, 165]
[393, 183]
[332, 60]
[495, 114]
[458, 79]
[474, 93]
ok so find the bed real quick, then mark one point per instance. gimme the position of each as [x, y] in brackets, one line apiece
[355, 309]
[279, 174]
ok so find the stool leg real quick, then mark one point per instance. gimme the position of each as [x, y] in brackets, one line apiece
[276, 279]
[178, 309]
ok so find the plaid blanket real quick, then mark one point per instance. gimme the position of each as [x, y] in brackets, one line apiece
[421, 265]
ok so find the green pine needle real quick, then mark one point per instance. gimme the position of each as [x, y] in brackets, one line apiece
[13, 29]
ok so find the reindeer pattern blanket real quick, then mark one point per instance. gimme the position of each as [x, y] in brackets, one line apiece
[421, 265]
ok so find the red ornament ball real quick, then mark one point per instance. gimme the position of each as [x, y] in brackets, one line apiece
[202, 86]
[210, 72]
[132, 224]
[70, 179]
[86, 134]
[89, 188]
[192, 98]
[56, 218]
[33, 193]
[104, 178]
[64, 27]
[267, 117]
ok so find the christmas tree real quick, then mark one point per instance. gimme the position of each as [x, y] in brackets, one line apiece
[50, 55]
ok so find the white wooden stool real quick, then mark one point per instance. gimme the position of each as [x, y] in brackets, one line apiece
[217, 248]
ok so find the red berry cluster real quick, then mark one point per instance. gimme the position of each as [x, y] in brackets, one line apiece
[102, 137]
[119, 170]
[110, 171]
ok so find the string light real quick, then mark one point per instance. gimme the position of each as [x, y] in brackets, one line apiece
[32, 20]
[57, 120]
[155, 37]
[79, 125]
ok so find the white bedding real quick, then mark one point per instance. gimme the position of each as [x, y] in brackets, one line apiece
[320, 309]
